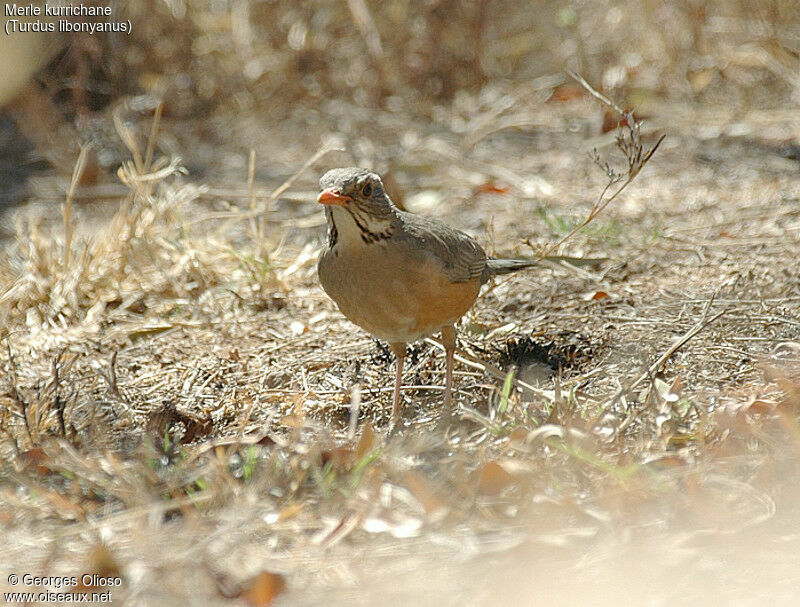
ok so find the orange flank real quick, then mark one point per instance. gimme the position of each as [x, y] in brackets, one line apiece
[445, 302]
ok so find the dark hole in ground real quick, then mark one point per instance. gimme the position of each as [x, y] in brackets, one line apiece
[565, 350]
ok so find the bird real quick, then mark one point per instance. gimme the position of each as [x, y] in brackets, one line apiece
[399, 276]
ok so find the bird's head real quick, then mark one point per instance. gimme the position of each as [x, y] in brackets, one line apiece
[357, 205]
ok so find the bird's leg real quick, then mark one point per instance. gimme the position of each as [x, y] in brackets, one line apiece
[399, 349]
[449, 342]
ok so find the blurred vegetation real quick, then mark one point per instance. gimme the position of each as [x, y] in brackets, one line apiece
[273, 55]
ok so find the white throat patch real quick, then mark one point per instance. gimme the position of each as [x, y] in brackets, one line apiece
[359, 228]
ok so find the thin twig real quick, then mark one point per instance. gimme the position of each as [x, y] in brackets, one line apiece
[630, 145]
[596, 94]
[285, 186]
[289, 182]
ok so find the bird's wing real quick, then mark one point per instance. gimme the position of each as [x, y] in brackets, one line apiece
[460, 256]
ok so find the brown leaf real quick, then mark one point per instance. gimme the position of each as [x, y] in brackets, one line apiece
[492, 478]
[99, 564]
[612, 120]
[36, 459]
[290, 511]
[676, 386]
[422, 492]
[261, 590]
[566, 92]
[340, 458]
[491, 187]
[365, 442]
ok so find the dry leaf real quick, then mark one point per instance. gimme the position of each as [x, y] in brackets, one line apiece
[365, 442]
[340, 458]
[290, 511]
[423, 493]
[492, 478]
[611, 121]
[566, 92]
[491, 187]
[100, 563]
[36, 459]
[261, 590]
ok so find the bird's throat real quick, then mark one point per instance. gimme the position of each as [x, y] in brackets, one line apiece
[349, 227]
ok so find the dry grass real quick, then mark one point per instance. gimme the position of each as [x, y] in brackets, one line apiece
[172, 384]
[182, 406]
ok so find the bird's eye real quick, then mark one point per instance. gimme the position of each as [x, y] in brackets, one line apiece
[367, 190]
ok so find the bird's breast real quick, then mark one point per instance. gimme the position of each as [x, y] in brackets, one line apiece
[395, 295]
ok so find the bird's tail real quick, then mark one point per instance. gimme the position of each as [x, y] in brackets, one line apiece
[497, 267]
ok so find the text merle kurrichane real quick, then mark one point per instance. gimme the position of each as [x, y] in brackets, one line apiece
[61, 10]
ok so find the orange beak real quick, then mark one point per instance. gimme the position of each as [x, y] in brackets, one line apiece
[333, 197]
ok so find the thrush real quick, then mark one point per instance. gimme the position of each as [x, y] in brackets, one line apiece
[397, 275]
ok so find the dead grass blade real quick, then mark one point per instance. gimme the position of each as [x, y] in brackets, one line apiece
[276, 193]
[151, 142]
[659, 362]
[66, 208]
